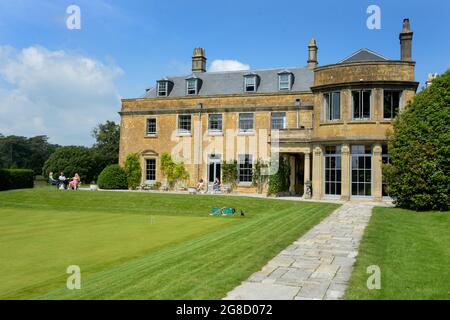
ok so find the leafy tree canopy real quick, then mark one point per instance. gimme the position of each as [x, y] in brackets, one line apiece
[419, 174]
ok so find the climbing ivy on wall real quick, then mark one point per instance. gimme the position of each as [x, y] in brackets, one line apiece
[280, 180]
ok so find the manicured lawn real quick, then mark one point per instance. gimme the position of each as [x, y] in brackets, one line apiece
[140, 246]
[413, 252]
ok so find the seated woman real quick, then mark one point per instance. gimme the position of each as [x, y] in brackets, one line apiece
[216, 185]
[52, 181]
[74, 182]
[200, 186]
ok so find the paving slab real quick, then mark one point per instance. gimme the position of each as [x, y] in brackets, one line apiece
[316, 266]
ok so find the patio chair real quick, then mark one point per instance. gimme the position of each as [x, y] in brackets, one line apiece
[228, 211]
[215, 212]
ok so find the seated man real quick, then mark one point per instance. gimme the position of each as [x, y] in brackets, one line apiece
[62, 181]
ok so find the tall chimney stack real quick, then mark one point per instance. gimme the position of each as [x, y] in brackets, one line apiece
[406, 37]
[312, 54]
[199, 60]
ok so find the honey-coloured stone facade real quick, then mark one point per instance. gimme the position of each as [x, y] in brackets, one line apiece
[342, 158]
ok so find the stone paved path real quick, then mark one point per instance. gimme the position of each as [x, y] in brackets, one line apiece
[316, 266]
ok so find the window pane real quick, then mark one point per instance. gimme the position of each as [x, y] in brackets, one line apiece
[284, 81]
[150, 173]
[395, 103]
[192, 86]
[356, 105]
[245, 121]
[184, 123]
[151, 126]
[336, 106]
[387, 108]
[366, 104]
[215, 122]
[278, 120]
[245, 168]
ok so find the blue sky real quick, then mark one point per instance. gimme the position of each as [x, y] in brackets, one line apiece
[130, 44]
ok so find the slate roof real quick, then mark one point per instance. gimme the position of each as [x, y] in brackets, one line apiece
[232, 82]
[364, 55]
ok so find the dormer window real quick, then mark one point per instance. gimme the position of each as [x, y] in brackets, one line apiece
[250, 82]
[284, 81]
[191, 86]
[163, 87]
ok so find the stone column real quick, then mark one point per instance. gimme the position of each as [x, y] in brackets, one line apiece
[345, 172]
[308, 166]
[292, 177]
[377, 183]
[307, 172]
[317, 176]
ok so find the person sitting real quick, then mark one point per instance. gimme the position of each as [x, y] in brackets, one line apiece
[62, 181]
[52, 181]
[200, 186]
[75, 182]
[216, 185]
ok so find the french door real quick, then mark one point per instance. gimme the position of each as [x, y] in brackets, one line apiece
[214, 168]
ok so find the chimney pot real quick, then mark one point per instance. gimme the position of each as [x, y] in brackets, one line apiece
[199, 60]
[312, 54]
[406, 37]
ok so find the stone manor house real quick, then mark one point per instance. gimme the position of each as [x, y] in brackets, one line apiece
[329, 121]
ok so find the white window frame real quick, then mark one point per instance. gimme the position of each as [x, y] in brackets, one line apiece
[221, 122]
[328, 107]
[146, 170]
[253, 122]
[183, 131]
[158, 89]
[195, 82]
[400, 97]
[289, 82]
[241, 160]
[246, 84]
[272, 118]
[361, 99]
[147, 133]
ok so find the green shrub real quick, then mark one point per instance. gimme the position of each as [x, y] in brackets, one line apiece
[133, 170]
[280, 180]
[112, 177]
[418, 177]
[16, 179]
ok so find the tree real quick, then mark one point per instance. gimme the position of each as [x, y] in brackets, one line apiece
[71, 160]
[133, 170]
[106, 147]
[418, 175]
[23, 152]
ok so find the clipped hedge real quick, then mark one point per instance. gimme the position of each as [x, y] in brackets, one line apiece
[113, 177]
[16, 179]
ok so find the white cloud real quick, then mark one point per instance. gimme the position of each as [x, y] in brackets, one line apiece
[227, 65]
[56, 93]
